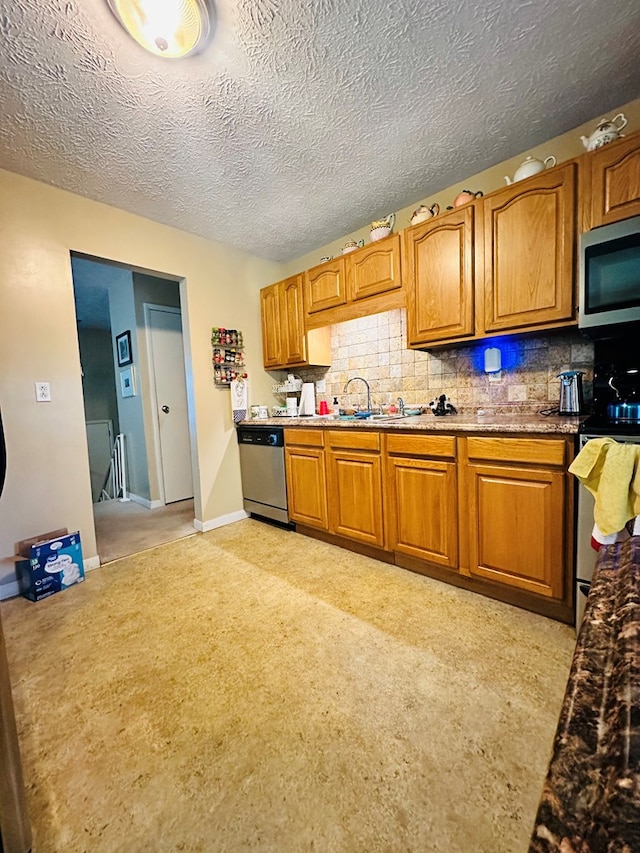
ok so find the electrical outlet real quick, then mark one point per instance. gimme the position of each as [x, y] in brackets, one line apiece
[321, 386]
[43, 392]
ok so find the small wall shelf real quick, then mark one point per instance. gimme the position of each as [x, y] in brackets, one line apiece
[228, 355]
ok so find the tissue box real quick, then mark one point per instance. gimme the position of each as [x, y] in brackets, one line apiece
[52, 566]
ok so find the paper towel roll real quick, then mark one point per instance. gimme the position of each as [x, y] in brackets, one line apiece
[307, 400]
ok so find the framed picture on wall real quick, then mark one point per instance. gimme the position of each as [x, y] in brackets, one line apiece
[123, 345]
[128, 382]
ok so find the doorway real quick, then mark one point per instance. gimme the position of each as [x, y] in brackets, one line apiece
[126, 390]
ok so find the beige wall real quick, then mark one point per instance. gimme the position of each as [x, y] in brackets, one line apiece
[562, 147]
[48, 474]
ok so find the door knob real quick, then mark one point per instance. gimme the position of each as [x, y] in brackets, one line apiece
[165, 409]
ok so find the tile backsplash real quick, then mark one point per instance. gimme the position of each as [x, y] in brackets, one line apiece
[374, 348]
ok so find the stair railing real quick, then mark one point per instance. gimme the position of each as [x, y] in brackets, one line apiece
[116, 478]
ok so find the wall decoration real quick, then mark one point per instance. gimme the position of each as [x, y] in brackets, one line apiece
[123, 346]
[128, 382]
[228, 356]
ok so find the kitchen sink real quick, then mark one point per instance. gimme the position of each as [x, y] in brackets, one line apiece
[387, 417]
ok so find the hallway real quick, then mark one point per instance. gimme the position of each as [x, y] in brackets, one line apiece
[125, 528]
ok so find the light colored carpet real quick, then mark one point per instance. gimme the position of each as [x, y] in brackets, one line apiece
[252, 689]
[126, 527]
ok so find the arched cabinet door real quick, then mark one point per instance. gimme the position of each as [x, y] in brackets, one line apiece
[325, 286]
[529, 237]
[374, 269]
[615, 181]
[438, 266]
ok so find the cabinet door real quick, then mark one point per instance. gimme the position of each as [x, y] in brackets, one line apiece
[438, 267]
[374, 269]
[325, 286]
[292, 322]
[355, 506]
[529, 252]
[271, 334]
[306, 485]
[615, 181]
[423, 511]
[516, 527]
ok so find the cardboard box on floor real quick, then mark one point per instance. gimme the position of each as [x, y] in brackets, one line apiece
[49, 563]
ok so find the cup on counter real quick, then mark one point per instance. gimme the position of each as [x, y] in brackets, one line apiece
[292, 407]
[324, 408]
[263, 412]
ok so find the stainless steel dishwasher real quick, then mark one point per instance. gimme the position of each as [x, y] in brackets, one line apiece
[264, 485]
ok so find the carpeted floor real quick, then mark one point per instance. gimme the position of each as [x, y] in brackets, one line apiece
[252, 689]
[126, 527]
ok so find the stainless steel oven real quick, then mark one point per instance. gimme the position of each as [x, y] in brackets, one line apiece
[585, 554]
[616, 390]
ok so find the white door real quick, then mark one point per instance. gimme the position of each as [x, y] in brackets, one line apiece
[166, 358]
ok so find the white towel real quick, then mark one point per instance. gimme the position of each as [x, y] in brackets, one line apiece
[239, 399]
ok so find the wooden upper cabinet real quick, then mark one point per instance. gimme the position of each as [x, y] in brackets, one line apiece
[325, 286]
[271, 335]
[374, 269]
[529, 234]
[294, 349]
[615, 181]
[285, 343]
[438, 266]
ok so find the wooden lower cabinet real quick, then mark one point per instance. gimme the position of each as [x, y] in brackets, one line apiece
[493, 514]
[516, 527]
[354, 467]
[422, 497]
[306, 477]
[519, 508]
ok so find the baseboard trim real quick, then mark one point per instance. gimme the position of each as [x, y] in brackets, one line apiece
[91, 563]
[221, 521]
[144, 502]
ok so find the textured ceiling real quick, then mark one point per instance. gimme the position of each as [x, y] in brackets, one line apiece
[302, 122]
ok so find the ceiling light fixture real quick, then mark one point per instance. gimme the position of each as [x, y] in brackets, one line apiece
[167, 28]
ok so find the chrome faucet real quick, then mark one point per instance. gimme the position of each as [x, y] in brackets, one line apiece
[346, 385]
[401, 405]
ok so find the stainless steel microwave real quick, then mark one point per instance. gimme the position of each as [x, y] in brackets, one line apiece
[610, 277]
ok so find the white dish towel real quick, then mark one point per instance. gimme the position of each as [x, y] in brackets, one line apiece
[239, 399]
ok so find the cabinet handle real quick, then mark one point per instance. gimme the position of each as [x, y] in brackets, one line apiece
[165, 409]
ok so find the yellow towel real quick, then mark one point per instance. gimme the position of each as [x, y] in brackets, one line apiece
[611, 472]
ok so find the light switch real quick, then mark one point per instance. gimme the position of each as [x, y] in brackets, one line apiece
[43, 392]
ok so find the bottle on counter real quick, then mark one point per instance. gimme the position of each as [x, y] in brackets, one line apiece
[336, 407]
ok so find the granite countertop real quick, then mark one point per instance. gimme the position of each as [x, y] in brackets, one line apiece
[531, 422]
[591, 798]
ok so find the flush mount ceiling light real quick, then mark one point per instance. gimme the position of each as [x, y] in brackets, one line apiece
[167, 28]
